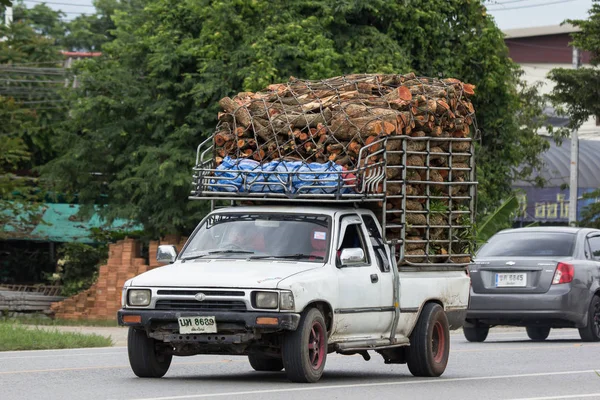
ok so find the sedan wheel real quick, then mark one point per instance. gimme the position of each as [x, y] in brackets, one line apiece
[538, 333]
[591, 333]
[476, 334]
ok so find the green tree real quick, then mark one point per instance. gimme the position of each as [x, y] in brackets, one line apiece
[143, 107]
[89, 32]
[30, 106]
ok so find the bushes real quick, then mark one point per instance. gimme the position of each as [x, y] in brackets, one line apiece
[77, 266]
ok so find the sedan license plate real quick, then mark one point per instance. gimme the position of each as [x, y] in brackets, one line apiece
[511, 280]
[197, 325]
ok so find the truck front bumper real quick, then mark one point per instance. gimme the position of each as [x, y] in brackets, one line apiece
[150, 318]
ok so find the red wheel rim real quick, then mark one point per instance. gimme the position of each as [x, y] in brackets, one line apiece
[316, 346]
[438, 342]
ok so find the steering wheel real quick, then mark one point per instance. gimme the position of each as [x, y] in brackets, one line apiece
[233, 246]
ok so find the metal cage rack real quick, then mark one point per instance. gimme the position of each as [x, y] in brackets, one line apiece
[445, 220]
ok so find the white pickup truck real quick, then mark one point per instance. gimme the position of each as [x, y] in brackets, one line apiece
[287, 284]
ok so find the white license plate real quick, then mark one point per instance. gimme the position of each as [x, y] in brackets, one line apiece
[197, 325]
[511, 280]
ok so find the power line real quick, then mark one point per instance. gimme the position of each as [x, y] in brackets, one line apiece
[59, 4]
[42, 101]
[34, 62]
[531, 5]
[496, 3]
[57, 81]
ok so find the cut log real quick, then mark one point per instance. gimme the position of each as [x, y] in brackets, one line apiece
[222, 137]
[241, 114]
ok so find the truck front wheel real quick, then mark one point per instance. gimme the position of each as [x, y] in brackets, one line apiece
[262, 363]
[145, 358]
[429, 342]
[305, 349]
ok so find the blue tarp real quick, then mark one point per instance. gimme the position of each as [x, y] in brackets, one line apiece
[279, 176]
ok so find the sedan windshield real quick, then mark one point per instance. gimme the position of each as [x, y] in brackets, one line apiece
[261, 236]
[529, 244]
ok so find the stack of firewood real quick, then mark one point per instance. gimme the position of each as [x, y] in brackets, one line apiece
[333, 119]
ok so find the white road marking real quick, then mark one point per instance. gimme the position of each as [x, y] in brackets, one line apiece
[32, 371]
[64, 355]
[54, 350]
[365, 385]
[569, 396]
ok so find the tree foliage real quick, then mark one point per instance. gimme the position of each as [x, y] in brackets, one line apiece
[30, 106]
[88, 32]
[577, 92]
[143, 107]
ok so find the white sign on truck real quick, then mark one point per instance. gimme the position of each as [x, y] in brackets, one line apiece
[338, 263]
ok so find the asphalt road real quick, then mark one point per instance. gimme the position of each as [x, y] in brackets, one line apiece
[506, 366]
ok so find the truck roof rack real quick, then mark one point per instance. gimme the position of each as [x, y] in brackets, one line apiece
[426, 211]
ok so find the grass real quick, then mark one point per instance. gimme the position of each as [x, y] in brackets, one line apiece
[17, 337]
[38, 320]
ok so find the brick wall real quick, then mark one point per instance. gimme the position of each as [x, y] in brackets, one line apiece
[103, 299]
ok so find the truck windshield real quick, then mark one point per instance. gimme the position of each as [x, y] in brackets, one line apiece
[261, 236]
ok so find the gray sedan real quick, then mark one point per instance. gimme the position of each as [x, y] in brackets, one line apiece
[540, 278]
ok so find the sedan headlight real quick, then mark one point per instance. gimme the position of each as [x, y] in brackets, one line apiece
[265, 300]
[286, 301]
[138, 297]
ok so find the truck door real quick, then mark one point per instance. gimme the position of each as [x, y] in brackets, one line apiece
[365, 304]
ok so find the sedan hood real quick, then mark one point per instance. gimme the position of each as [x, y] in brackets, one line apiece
[223, 273]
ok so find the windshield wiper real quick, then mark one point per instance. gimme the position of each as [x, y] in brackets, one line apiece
[218, 252]
[287, 256]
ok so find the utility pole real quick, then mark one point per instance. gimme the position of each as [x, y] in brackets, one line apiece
[574, 178]
[8, 16]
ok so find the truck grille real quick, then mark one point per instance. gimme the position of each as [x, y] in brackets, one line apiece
[206, 305]
[188, 292]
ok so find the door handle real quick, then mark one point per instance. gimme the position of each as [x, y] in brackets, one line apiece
[374, 278]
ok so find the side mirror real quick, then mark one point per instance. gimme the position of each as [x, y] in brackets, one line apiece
[166, 253]
[352, 256]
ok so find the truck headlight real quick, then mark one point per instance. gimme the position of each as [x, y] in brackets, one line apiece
[265, 300]
[286, 301]
[138, 297]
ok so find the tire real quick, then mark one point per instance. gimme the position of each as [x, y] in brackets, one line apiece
[537, 333]
[476, 334]
[304, 350]
[262, 363]
[145, 359]
[591, 333]
[429, 343]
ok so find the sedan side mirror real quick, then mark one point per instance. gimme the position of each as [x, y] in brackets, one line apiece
[352, 256]
[166, 253]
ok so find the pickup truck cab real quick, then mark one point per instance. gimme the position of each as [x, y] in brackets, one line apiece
[285, 286]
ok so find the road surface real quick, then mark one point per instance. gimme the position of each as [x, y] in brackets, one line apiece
[506, 366]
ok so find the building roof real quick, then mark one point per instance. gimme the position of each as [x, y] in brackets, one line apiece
[540, 31]
[557, 164]
[60, 223]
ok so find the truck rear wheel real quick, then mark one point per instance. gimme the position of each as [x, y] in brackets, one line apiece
[476, 334]
[305, 349]
[146, 360]
[261, 363]
[429, 342]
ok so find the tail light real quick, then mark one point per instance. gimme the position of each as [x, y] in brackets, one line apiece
[564, 273]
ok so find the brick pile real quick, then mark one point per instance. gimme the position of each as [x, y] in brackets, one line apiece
[103, 299]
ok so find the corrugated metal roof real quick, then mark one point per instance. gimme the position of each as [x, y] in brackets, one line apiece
[557, 164]
[61, 224]
[540, 31]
